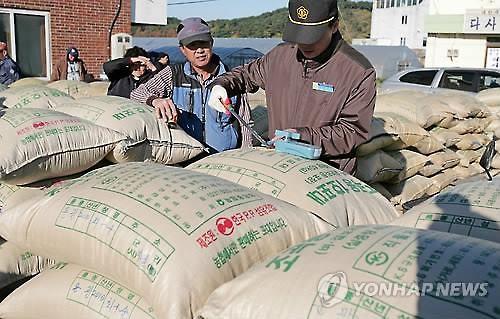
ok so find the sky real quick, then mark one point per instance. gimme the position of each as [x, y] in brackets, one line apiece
[223, 9]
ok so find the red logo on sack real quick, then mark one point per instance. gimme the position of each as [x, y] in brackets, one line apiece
[39, 124]
[225, 226]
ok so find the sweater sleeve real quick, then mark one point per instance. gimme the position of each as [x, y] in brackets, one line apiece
[159, 86]
[353, 125]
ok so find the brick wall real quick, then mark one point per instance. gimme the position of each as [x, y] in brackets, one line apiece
[81, 23]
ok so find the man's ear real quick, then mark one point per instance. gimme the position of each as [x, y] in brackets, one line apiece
[183, 49]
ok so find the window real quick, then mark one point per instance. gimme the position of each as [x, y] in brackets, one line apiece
[27, 29]
[458, 80]
[489, 80]
[419, 77]
[404, 19]
[424, 42]
[402, 41]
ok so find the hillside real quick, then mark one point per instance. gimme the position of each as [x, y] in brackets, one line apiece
[355, 23]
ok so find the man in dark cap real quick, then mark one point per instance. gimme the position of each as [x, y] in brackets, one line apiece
[316, 84]
[127, 73]
[70, 67]
[179, 93]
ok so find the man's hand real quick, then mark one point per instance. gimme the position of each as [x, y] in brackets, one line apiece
[217, 97]
[144, 61]
[165, 109]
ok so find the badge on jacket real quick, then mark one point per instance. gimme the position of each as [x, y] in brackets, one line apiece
[325, 87]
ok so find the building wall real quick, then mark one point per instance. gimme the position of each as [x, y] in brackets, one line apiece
[81, 23]
[449, 27]
[444, 7]
[387, 26]
[471, 51]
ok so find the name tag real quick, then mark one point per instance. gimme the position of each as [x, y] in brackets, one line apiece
[325, 87]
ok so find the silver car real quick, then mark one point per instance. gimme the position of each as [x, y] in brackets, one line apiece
[470, 80]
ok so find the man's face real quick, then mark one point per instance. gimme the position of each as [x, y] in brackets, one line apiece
[3, 51]
[198, 53]
[138, 69]
[311, 51]
[71, 58]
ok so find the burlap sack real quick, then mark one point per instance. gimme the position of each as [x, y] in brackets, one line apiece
[407, 132]
[421, 108]
[490, 97]
[440, 161]
[39, 144]
[157, 229]
[474, 125]
[411, 162]
[31, 96]
[409, 135]
[446, 159]
[379, 138]
[472, 141]
[469, 209]
[468, 157]
[414, 188]
[494, 124]
[28, 82]
[445, 136]
[462, 105]
[430, 170]
[317, 187]
[378, 167]
[75, 89]
[149, 139]
[70, 291]
[368, 272]
[466, 172]
[442, 180]
[495, 163]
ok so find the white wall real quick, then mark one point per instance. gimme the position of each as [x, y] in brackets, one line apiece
[149, 11]
[472, 52]
[459, 6]
[386, 24]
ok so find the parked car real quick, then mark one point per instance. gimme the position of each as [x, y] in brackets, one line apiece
[470, 80]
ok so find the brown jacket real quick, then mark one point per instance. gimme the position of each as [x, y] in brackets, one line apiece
[60, 71]
[336, 116]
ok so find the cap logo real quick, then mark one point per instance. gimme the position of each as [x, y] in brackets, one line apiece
[302, 13]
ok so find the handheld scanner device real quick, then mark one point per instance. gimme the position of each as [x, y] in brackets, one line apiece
[289, 144]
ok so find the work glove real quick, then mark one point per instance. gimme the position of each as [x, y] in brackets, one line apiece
[218, 97]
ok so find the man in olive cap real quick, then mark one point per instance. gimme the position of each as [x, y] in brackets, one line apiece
[179, 92]
[316, 84]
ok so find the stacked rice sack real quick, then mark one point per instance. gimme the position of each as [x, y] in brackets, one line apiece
[165, 235]
[421, 143]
